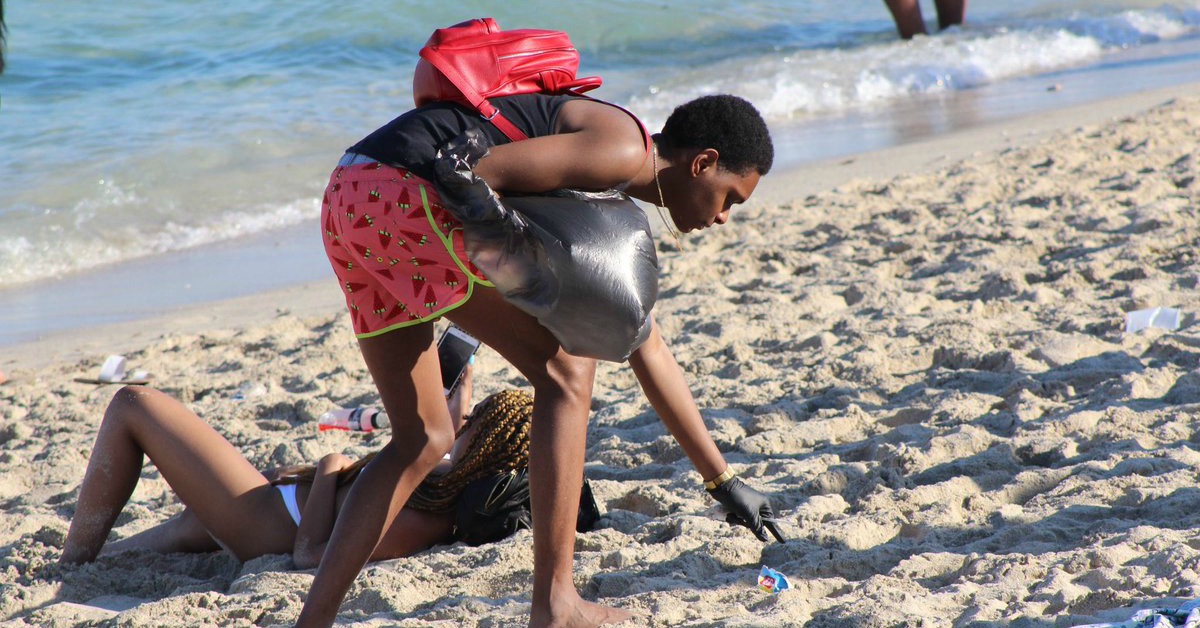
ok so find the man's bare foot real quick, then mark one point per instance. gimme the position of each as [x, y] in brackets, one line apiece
[577, 613]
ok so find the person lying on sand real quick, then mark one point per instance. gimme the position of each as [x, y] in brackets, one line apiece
[232, 505]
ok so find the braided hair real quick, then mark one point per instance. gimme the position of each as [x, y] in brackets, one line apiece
[500, 444]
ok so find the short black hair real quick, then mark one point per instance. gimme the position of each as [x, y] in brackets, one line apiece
[727, 123]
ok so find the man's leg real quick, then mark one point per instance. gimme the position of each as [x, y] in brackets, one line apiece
[907, 14]
[562, 401]
[404, 365]
[950, 12]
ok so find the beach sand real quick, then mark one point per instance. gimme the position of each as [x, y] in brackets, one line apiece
[919, 353]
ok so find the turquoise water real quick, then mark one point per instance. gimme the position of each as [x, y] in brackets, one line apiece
[138, 130]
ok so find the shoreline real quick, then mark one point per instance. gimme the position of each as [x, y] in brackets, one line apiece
[306, 296]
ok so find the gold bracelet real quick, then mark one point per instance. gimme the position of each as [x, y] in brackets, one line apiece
[720, 479]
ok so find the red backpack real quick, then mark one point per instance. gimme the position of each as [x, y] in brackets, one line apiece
[473, 61]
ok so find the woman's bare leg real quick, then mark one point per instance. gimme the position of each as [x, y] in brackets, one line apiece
[404, 365]
[227, 494]
[181, 533]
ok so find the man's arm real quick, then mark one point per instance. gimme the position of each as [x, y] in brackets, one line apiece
[665, 386]
[667, 390]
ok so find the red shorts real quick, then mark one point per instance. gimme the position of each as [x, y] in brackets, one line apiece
[397, 252]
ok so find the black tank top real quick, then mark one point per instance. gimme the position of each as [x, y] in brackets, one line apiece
[411, 140]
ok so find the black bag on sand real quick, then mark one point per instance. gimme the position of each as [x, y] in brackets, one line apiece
[495, 507]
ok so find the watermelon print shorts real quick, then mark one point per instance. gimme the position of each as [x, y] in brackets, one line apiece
[397, 252]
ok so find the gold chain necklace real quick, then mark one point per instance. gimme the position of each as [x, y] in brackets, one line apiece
[662, 203]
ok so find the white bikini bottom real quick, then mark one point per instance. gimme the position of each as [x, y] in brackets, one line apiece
[289, 499]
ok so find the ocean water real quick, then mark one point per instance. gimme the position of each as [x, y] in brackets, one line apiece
[143, 130]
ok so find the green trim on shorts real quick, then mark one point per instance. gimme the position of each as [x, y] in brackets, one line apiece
[471, 278]
[449, 241]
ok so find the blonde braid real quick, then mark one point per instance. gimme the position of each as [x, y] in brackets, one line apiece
[500, 443]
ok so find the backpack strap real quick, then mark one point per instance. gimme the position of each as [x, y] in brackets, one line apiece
[647, 139]
[492, 114]
[481, 104]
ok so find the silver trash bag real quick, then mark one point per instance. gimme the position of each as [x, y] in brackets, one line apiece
[582, 263]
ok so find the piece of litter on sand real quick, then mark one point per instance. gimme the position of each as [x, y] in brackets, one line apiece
[1161, 317]
[113, 372]
[772, 581]
[249, 390]
[1186, 615]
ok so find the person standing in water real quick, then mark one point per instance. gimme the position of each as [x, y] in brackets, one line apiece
[907, 14]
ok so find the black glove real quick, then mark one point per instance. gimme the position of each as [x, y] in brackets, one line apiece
[747, 507]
